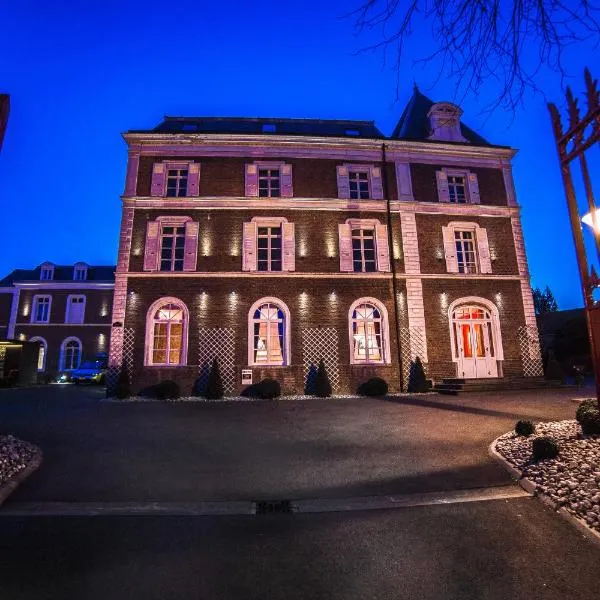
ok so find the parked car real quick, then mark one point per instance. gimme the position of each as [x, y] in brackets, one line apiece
[91, 371]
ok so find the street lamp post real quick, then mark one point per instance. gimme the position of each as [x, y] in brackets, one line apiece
[582, 134]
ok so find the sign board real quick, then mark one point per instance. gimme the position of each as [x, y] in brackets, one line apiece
[246, 376]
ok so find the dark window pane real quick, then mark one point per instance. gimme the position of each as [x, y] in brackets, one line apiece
[276, 254]
[263, 193]
[179, 253]
[262, 266]
[263, 254]
[275, 265]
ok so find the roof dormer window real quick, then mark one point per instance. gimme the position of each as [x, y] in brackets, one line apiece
[47, 272]
[444, 122]
[80, 272]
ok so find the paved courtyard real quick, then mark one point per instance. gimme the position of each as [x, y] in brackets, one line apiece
[95, 451]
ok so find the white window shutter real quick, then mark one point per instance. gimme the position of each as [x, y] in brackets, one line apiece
[289, 246]
[376, 184]
[383, 248]
[158, 179]
[483, 248]
[473, 188]
[285, 174]
[404, 181]
[450, 250]
[345, 235]
[249, 262]
[193, 181]
[152, 246]
[251, 180]
[442, 186]
[343, 182]
[190, 251]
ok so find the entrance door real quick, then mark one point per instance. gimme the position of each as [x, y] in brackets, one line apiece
[474, 344]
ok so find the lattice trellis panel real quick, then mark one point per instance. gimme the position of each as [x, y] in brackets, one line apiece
[126, 337]
[219, 343]
[320, 344]
[412, 342]
[531, 356]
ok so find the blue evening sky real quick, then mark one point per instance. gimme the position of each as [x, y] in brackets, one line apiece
[80, 73]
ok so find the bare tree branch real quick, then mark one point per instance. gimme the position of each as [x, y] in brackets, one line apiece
[506, 41]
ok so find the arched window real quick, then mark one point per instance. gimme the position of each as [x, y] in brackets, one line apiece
[268, 333]
[166, 333]
[369, 332]
[41, 365]
[70, 354]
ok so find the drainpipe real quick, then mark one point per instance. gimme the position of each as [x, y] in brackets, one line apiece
[386, 195]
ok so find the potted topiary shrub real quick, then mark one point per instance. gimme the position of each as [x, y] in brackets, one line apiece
[268, 389]
[376, 386]
[322, 385]
[417, 381]
[167, 390]
[214, 385]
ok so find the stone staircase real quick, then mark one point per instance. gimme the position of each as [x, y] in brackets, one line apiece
[456, 386]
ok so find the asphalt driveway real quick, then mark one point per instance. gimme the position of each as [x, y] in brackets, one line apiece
[95, 451]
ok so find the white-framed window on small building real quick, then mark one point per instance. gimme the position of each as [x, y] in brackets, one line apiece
[364, 246]
[466, 248]
[457, 186]
[167, 324]
[269, 244]
[70, 354]
[175, 179]
[269, 183]
[41, 309]
[80, 272]
[368, 332]
[41, 363]
[47, 272]
[268, 333]
[75, 312]
[268, 179]
[359, 182]
[171, 244]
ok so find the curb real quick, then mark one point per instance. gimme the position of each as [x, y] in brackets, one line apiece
[16, 480]
[532, 488]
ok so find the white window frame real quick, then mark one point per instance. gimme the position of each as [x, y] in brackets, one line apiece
[481, 244]
[468, 268]
[80, 272]
[362, 229]
[385, 331]
[34, 305]
[149, 339]
[269, 237]
[269, 178]
[465, 176]
[175, 225]
[68, 315]
[44, 347]
[364, 170]
[287, 347]
[63, 351]
[178, 178]
[47, 272]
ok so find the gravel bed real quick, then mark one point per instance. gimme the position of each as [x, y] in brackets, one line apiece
[15, 455]
[572, 479]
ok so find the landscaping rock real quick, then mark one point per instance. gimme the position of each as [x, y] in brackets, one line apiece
[15, 455]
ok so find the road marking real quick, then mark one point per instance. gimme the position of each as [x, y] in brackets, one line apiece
[218, 508]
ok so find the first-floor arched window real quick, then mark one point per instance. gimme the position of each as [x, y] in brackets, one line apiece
[70, 354]
[268, 333]
[41, 364]
[166, 333]
[369, 332]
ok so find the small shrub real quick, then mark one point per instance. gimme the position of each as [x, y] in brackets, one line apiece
[266, 389]
[553, 370]
[123, 388]
[417, 380]
[591, 404]
[590, 422]
[214, 385]
[524, 428]
[544, 447]
[166, 390]
[373, 387]
[322, 385]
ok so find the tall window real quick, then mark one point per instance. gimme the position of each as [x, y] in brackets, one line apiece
[47, 273]
[269, 183]
[363, 250]
[269, 248]
[457, 189]
[465, 251]
[177, 180]
[75, 309]
[167, 328]
[80, 273]
[41, 363]
[268, 334]
[172, 248]
[70, 354]
[368, 332]
[41, 309]
[359, 185]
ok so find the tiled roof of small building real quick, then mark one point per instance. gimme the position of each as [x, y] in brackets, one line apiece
[414, 123]
[61, 273]
[266, 126]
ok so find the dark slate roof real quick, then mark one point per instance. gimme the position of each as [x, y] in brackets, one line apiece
[61, 273]
[414, 123]
[265, 126]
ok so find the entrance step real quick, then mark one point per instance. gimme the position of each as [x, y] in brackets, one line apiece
[454, 386]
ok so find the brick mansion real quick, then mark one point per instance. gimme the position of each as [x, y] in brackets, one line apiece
[271, 244]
